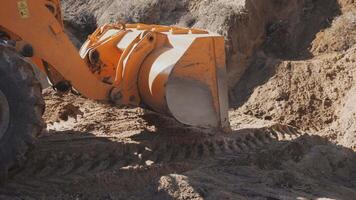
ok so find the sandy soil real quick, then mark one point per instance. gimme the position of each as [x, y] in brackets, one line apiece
[296, 142]
[101, 152]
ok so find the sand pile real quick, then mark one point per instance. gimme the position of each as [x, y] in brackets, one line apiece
[312, 92]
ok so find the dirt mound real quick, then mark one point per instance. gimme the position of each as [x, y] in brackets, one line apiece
[312, 91]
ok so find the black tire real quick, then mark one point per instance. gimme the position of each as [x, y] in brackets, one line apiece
[26, 106]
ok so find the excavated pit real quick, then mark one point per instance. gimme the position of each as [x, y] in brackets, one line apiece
[291, 74]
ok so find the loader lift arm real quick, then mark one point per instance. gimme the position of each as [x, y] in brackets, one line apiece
[40, 28]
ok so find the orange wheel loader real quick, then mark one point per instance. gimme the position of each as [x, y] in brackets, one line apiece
[175, 71]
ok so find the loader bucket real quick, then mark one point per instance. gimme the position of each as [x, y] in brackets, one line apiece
[176, 71]
[187, 80]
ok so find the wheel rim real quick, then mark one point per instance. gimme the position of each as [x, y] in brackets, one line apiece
[4, 114]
